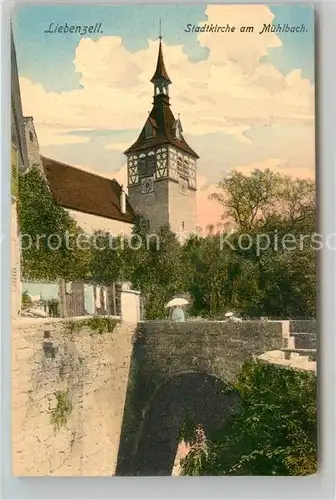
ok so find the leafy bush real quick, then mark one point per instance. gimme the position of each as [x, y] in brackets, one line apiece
[26, 300]
[275, 432]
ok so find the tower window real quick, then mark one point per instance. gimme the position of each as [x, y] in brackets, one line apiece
[183, 168]
[146, 167]
[183, 224]
[31, 136]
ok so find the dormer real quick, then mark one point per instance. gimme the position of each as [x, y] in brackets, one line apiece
[177, 129]
[150, 128]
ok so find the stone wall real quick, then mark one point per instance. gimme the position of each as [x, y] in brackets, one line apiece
[182, 209]
[153, 206]
[85, 368]
[303, 326]
[304, 333]
[127, 391]
[166, 205]
[170, 357]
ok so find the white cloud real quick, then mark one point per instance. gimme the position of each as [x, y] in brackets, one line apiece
[118, 146]
[52, 136]
[230, 91]
[278, 166]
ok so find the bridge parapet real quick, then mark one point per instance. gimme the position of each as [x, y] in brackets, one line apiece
[215, 347]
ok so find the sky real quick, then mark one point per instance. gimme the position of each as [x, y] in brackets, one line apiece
[246, 100]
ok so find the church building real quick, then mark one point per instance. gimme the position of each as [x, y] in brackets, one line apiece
[162, 166]
[95, 202]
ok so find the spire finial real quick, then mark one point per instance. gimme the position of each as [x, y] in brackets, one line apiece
[160, 30]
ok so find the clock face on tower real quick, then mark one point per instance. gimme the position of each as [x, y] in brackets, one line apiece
[147, 185]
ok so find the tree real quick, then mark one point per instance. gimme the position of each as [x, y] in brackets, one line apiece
[274, 433]
[279, 279]
[154, 266]
[107, 259]
[265, 199]
[48, 233]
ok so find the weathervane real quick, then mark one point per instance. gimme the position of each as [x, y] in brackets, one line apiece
[160, 36]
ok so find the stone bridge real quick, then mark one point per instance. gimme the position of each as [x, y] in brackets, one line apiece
[184, 370]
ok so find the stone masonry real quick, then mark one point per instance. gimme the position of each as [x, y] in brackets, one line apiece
[122, 396]
[92, 369]
[178, 368]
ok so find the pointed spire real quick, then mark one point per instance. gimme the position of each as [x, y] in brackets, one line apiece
[160, 72]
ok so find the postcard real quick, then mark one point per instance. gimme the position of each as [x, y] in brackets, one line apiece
[163, 240]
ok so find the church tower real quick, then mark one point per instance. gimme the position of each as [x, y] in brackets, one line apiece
[162, 166]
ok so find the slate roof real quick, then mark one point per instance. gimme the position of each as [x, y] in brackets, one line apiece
[162, 119]
[84, 192]
[160, 71]
[164, 133]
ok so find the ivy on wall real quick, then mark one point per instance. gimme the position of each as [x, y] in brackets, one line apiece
[62, 410]
[47, 233]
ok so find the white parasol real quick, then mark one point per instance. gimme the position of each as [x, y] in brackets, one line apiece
[177, 302]
[229, 314]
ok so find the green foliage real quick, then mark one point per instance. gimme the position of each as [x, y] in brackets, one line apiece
[187, 431]
[107, 263]
[215, 274]
[265, 199]
[156, 269]
[53, 306]
[62, 411]
[101, 325]
[26, 301]
[40, 217]
[97, 324]
[275, 432]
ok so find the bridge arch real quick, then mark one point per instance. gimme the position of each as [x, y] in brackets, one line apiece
[205, 398]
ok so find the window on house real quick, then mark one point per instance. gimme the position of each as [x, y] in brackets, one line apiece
[31, 136]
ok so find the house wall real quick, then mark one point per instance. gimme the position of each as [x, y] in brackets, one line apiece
[91, 223]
